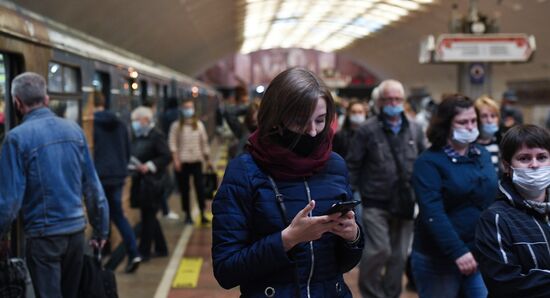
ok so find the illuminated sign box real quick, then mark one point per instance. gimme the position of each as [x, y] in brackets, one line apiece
[499, 47]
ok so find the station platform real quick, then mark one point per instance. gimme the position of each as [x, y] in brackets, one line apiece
[187, 270]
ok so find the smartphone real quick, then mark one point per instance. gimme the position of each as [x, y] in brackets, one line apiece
[343, 207]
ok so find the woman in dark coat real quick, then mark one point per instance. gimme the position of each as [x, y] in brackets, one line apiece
[271, 236]
[512, 236]
[150, 157]
[454, 182]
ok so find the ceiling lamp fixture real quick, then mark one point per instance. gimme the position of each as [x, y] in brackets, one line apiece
[326, 25]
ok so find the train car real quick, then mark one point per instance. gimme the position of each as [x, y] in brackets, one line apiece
[76, 65]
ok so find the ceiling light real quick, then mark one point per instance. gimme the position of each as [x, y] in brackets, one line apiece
[326, 25]
[405, 4]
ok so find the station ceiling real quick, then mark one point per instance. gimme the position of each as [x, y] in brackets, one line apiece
[191, 35]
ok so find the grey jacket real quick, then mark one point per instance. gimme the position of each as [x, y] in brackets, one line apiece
[370, 161]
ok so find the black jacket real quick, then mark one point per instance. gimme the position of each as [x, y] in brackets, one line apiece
[154, 149]
[370, 161]
[341, 141]
[111, 148]
[512, 247]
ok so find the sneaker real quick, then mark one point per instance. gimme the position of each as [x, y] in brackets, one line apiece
[172, 215]
[204, 221]
[133, 265]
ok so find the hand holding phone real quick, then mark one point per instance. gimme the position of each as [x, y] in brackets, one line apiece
[343, 207]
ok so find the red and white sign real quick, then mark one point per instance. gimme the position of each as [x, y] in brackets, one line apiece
[498, 47]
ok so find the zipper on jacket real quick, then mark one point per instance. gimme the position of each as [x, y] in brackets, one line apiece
[310, 245]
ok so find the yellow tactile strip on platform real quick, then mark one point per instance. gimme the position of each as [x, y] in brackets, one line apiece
[188, 273]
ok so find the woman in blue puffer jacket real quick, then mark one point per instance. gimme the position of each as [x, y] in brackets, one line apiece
[270, 234]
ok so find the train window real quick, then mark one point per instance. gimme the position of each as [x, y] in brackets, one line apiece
[124, 86]
[62, 78]
[55, 77]
[64, 88]
[70, 80]
[156, 92]
[66, 108]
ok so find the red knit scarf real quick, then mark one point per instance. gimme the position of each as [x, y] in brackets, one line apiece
[283, 164]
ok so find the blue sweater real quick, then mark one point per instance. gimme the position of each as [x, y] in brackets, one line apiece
[452, 193]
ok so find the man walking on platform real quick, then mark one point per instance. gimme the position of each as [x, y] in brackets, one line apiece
[382, 151]
[45, 169]
[111, 158]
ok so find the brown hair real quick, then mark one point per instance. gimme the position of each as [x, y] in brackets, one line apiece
[440, 124]
[290, 99]
[347, 122]
[531, 136]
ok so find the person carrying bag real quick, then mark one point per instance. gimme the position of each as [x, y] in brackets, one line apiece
[15, 280]
[95, 281]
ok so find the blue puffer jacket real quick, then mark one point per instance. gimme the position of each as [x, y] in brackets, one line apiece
[247, 247]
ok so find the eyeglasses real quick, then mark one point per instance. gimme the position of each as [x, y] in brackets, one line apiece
[392, 99]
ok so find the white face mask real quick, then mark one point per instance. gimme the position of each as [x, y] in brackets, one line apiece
[464, 136]
[531, 182]
[357, 118]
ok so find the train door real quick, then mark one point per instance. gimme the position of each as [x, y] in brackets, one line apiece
[102, 83]
[144, 93]
[10, 66]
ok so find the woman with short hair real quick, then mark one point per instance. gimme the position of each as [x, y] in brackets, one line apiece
[512, 236]
[489, 136]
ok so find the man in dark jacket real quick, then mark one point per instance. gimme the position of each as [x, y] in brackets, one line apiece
[374, 173]
[111, 157]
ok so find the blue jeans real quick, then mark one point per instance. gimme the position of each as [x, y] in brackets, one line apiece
[114, 197]
[435, 277]
[55, 264]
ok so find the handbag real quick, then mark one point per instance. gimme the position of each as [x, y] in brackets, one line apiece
[403, 200]
[15, 280]
[210, 183]
[96, 282]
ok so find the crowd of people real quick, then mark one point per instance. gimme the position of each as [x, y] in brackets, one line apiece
[46, 169]
[473, 235]
[459, 201]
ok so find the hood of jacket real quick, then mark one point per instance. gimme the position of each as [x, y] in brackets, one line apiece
[106, 119]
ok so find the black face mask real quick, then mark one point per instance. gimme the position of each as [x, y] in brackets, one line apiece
[301, 144]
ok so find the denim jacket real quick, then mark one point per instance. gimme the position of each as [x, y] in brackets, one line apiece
[45, 169]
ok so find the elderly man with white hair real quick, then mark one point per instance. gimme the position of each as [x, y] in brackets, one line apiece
[380, 160]
[150, 157]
